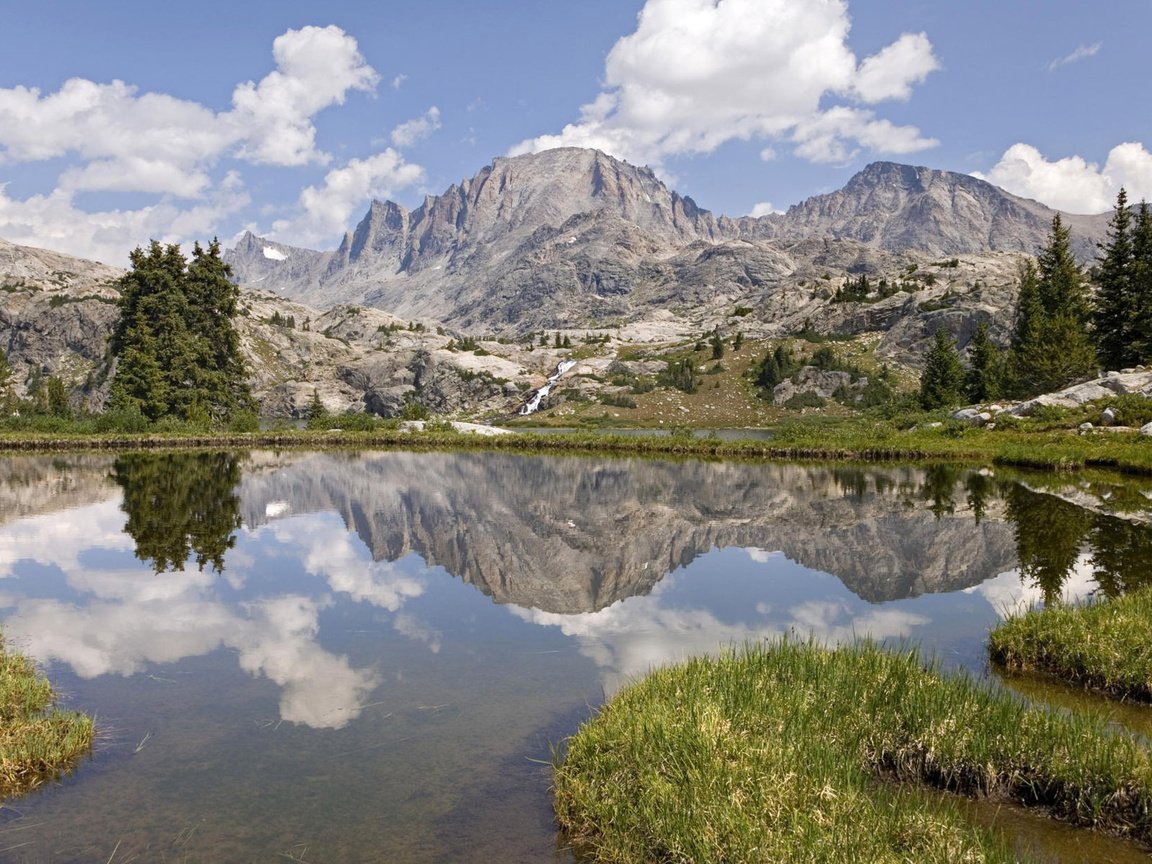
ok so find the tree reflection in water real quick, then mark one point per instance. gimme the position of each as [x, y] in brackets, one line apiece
[1052, 533]
[180, 506]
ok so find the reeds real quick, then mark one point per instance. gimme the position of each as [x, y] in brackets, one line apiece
[790, 752]
[38, 742]
[1104, 645]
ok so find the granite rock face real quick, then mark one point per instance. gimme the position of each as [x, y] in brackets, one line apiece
[572, 237]
[55, 316]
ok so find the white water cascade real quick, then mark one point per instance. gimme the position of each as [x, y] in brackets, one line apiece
[533, 404]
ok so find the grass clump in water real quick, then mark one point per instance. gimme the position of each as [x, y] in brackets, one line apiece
[38, 742]
[1105, 645]
[793, 753]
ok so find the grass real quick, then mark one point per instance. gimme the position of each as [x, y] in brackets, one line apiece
[1105, 645]
[38, 742]
[810, 437]
[793, 753]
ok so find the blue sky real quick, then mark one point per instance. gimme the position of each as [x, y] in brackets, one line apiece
[129, 121]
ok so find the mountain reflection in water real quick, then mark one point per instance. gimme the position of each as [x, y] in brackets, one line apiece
[335, 588]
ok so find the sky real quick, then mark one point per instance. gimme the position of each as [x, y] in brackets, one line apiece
[126, 122]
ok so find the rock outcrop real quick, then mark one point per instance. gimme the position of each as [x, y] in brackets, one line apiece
[575, 238]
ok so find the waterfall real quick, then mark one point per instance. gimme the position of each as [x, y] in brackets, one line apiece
[533, 404]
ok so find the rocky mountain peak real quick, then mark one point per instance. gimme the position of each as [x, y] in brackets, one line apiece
[899, 207]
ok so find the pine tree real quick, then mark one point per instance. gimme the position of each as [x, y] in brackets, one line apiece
[941, 383]
[1051, 347]
[213, 300]
[1141, 285]
[1113, 315]
[7, 397]
[177, 352]
[982, 381]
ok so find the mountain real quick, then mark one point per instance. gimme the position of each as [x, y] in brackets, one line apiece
[575, 238]
[901, 207]
[566, 240]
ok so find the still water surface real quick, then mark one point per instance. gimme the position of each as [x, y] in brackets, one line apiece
[369, 657]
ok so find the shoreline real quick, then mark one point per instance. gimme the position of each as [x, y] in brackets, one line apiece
[845, 441]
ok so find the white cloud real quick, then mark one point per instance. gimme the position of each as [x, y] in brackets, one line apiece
[1083, 52]
[108, 121]
[326, 211]
[698, 73]
[398, 81]
[1074, 184]
[831, 135]
[891, 73]
[764, 208]
[117, 139]
[407, 134]
[55, 221]
[317, 67]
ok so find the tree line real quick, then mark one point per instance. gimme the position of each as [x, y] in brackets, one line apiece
[1062, 331]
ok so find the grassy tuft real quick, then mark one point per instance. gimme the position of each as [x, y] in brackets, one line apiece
[38, 743]
[792, 753]
[1102, 646]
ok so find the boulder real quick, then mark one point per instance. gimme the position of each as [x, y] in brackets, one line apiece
[810, 380]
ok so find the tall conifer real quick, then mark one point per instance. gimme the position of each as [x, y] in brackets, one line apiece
[942, 382]
[1113, 312]
[982, 381]
[1141, 285]
[1051, 346]
[177, 352]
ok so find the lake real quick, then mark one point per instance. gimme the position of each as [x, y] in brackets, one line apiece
[348, 657]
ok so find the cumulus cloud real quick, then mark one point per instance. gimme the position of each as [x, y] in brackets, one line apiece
[316, 68]
[1074, 184]
[698, 73]
[407, 134]
[891, 73]
[763, 208]
[117, 139]
[1083, 52]
[55, 221]
[325, 211]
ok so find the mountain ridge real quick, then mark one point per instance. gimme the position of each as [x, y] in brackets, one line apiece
[593, 239]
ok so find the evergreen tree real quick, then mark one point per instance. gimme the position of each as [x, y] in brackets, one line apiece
[317, 415]
[1113, 315]
[982, 381]
[941, 384]
[1063, 286]
[7, 397]
[717, 345]
[56, 397]
[1141, 285]
[213, 300]
[1051, 347]
[177, 351]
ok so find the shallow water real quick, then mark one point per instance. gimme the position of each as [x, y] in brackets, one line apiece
[381, 649]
